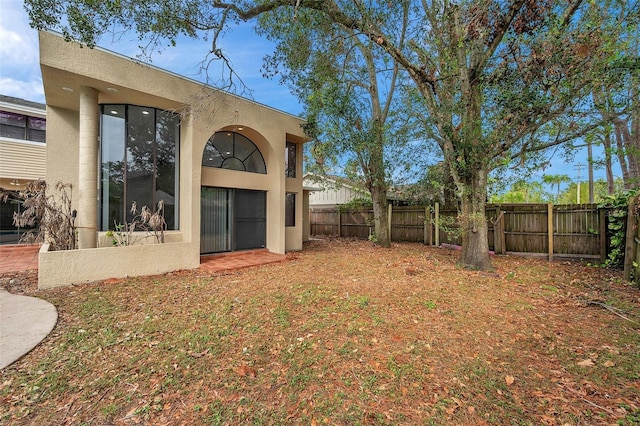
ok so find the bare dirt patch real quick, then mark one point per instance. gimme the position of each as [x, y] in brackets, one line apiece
[341, 333]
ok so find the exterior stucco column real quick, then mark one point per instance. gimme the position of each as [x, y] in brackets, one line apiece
[87, 220]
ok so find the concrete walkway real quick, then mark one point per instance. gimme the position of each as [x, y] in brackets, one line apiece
[24, 322]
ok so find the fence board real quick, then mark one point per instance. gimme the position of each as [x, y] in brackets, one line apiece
[578, 231]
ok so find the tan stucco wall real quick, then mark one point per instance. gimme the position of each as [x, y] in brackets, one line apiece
[62, 146]
[61, 268]
[204, 111]
[306, 218]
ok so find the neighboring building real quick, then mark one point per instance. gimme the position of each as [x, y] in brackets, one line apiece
[22, 155]
[332, 191]
[327, 192]
[228, 169]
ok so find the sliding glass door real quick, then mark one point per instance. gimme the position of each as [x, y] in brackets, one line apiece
[232, 219]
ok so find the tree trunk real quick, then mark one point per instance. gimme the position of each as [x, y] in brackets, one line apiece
[381, 216]
[608, 163]
[590, 169]
[377, 186]
[473, 223]
[622, 159]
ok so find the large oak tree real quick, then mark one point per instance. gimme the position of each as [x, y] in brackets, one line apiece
[349, 89]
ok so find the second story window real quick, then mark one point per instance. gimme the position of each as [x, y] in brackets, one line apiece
[24, 127]
[290, 160]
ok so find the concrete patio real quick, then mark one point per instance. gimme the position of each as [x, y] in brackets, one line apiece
[23, 257]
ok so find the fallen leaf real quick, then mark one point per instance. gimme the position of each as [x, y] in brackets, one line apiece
[471, 409]
[609, 363]
[245, 370]
[586, 363]
[509, 380]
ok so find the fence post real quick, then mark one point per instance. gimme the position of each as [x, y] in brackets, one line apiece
[630, 244]
[425, 232]
[390, 215]
[603, 234]
[498, 232]
[339, 222]
[437, 220]
[550, 229]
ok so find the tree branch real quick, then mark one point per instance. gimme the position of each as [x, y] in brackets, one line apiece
[497, 36]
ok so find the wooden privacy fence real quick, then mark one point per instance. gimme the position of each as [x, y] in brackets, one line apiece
[577, 231]
[632, 243]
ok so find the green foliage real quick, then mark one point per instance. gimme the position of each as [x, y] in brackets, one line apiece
[570, 195]
[348, 88]
[523, 192]
[617, 206]
[450, 225]
[435, 186]
[556, 180]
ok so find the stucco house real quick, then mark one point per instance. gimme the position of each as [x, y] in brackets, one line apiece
[229, 170]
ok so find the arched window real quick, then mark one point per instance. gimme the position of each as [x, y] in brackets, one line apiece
[230, 150]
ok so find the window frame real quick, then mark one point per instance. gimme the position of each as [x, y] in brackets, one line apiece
[28, 131]
[253, 162]
[290, 209]
[291, 152]
[122, 149]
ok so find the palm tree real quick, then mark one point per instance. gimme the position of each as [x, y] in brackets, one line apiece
[556, 180]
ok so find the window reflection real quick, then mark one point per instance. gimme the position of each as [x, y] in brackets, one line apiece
[230, 150]
[139, 156]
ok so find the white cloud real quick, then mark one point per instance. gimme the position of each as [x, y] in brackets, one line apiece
[19, 69]
[18, 41]
[30, 90]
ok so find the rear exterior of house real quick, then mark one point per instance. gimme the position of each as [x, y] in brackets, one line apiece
[227, 169]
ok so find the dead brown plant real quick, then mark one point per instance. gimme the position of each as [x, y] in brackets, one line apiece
[50, 216]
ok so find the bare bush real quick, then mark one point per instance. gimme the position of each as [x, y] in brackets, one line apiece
[152, 223]
[51, 216]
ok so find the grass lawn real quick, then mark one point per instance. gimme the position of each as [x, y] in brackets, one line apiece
[340, 333]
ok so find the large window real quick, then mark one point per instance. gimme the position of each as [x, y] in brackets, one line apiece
[139, 156]
[20, 126]
[230, 150]
[290, 210]
[290, 160]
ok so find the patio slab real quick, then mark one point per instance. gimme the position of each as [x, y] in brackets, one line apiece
[18, 257]
[239, 260]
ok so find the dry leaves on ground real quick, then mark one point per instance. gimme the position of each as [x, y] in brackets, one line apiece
[342, 333]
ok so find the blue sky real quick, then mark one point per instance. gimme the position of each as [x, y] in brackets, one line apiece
[20, 71]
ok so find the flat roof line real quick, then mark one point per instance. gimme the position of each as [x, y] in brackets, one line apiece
[138, 61]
